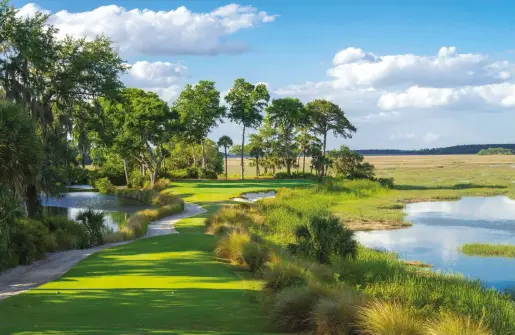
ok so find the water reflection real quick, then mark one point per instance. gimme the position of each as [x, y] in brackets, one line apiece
[440, 228]
[116, 209]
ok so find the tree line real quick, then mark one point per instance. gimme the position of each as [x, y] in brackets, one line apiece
[63, 105]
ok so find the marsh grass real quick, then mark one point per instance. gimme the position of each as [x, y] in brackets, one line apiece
[449, 324]
[488, 250]
[231, 246]
[385, 318]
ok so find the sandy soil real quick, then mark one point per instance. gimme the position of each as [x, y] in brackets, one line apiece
[253, 197]
[25, 277]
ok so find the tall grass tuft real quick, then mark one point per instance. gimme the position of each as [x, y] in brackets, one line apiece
[336, 314]
[231, 246]
[384, 318]
[282, 275]
[255, 256]
[449, 324]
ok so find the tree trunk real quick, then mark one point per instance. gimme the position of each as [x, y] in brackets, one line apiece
[323, 156]
[126, 171]
[225, 162]
[153, 176]
[193, 153]
[257, 167]
[83, 161]
[304, 161]
[32, 202]
[288, 167]
[242, 151]
[203, 154]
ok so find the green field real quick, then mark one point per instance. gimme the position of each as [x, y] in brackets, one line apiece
[174, 285]
[167, 285]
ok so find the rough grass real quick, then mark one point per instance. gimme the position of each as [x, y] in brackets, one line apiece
[162, 285]
[384, 318]
[488, 250]
[449, 324]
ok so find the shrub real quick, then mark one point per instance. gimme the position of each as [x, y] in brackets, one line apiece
[385, 182]
[68, 234]
[336, 314]
[255, 256]
[323, 237]
[161, 184]
[231, 246]
[449, 324]
[207, 174]
[104, 186]
[282, 275]
[29, 241]
[136, 179]
[292, 309]
[382, 318]
[93, 222]
[295, 175]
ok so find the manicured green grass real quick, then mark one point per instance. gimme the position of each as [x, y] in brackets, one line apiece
[168, 285]
[488, 250]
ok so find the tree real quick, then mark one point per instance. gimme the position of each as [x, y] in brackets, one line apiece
[246, 101]
[328, 117]
[349, 164]
[143, 125]
[200, 110]
[256, 150]
[225, 142]
[285, 114]
[20, 153]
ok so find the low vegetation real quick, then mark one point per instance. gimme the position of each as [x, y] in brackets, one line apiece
[360, 290]
[495, 151]
[488, 250]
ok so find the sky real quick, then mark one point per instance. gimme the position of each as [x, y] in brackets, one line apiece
[408, 74]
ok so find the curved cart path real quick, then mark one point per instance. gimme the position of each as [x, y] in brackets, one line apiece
[25, 277]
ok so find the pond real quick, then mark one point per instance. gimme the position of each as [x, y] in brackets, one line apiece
[116, 209]
[440, 228]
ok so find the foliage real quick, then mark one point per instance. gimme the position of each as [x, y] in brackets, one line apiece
[9, 213]
[225, 142]
[449, 324]
[246, 102]
[323, 237]
[350, 164]
[93, 223]
[328, 117]
[104, 186]
[200, 110]
[28, 242]
[183, 162]
[488, 250]
[279, 276]
[255, 256]
[207, 174]
[67, 234]
[295, 175]
[495, 151]
[337, 314]
[231, 246]
[383, 318]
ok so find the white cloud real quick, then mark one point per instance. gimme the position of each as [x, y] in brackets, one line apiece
[354, 67]
[159, 74]
[497, 95]
[174, 32]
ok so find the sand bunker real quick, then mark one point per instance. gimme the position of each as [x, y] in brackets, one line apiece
[254, 196]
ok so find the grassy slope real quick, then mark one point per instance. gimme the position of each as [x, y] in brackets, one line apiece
[166, 285]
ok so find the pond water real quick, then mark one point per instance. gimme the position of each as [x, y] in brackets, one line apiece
[116, 209]
[440, 228]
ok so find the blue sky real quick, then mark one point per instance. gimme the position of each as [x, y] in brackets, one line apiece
[438, 99]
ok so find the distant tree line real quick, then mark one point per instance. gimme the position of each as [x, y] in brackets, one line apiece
[495, 151]
[466, 149]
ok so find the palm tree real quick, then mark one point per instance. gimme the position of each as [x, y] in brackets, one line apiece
[20, 153]
[226, 142]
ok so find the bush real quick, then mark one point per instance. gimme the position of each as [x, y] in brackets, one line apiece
[104, 186]
[385, 182]
[282, 275]
[231, 246]
[29, 241]
[136, 179]
[207, 174]
[161, 184]
[382, 318]
[93, 223]
[292, 309]
[336, 314]
[255, 256]
[449, 324]
[187, 173]
[66, 233]
[324, 236]
[295, 175]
